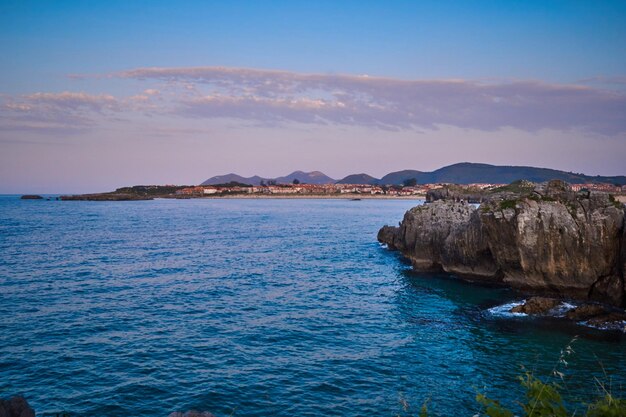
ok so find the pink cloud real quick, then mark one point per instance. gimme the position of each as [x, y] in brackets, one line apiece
[392, 103]
[64, 112]
[272, 97]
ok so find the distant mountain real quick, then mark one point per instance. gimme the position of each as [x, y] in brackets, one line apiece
[468, 173]
[359, 179]
[225, 179]
[400, 176]
[314, 177]
[461, 173]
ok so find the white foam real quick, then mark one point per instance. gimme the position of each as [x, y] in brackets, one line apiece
[504, 310]
[561, 309]
[616, 325]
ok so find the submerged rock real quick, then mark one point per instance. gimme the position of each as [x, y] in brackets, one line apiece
[547, 239]
[614, 320]
[586, 311]
[16, 407]
[31, 197]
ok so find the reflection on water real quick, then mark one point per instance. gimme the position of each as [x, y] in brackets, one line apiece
[269, 307]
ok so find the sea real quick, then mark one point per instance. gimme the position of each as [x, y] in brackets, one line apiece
[244, 307]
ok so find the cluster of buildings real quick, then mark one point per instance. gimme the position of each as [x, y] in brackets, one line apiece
[306, 189]
[609, 188]
[317, 189]
[358, 189]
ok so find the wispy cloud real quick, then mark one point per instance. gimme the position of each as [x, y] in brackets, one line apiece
[391, 103]
[64, 112]
[72, 101]
[604, 80]
[273, 97]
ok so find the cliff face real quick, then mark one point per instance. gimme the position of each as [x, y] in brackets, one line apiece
[549, 240]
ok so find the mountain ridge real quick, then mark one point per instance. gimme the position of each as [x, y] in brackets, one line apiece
[313, 177]
[459, 173]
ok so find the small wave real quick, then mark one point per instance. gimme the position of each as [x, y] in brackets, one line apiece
[614, 325]
[504, 310]
[562, 309]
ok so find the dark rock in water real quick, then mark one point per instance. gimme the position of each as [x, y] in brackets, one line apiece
[547, 239]
[31, 197]
[387, 234]
[16, 407]
[192, 413]
[615, 319]
[601, 316]
[586, 311]
[536, 305]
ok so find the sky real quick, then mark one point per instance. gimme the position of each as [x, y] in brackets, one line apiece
[99, 95]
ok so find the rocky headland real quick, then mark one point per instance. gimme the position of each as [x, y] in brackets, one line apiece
[544, 239]
[134, 193]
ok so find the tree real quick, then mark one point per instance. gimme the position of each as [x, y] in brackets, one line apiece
[410, 182]
[296, 181]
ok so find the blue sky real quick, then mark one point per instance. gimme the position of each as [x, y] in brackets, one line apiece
[554, 72]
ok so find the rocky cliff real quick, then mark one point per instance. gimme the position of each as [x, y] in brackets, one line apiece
[546, 239]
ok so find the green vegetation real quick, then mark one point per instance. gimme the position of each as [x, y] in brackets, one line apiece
[150, 190]
[615, 202]
[519, 186]
[507, 204]
[543, 398]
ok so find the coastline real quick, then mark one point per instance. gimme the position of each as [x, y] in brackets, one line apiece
[314, 197]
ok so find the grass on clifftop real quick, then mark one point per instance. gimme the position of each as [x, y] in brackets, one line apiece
[520, 186]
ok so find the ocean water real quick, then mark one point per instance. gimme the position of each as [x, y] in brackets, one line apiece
[257, 308]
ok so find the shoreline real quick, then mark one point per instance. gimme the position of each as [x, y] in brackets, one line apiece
[308, 197]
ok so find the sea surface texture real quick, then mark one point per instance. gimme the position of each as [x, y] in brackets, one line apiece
[258, 308]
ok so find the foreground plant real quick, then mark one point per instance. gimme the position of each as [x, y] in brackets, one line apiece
[543, 399]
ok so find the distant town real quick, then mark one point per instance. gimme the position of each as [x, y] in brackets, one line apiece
[409, 189]
[465, 176]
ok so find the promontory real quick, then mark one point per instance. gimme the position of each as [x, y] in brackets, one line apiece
[544, 239]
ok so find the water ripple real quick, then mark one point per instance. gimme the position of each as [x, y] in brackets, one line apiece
[269, 307]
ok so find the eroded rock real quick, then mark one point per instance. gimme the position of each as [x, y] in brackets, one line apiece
[586, 311]
[548, 239]
[537, 306]
[613, 320]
